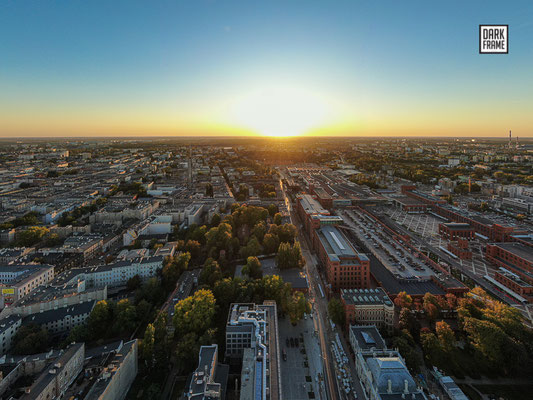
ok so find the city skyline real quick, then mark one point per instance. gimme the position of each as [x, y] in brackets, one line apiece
[277, 69]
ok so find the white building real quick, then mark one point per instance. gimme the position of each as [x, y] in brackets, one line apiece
[16, 281]
[116, 274]
[8, 328]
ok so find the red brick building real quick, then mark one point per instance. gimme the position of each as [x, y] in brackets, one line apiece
[344, 267]
[455, 230]
[512, 256]
[514, 283]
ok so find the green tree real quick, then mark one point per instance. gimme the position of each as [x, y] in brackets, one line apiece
[252, 248]
[289, 256]
[270, 243]
[272, 209]
[32, 235]
[297, 307]
[99, 320]
[125, 318]
[211, 273]
[134, 283]
[30, 339]
[336, 312]
[445, 335]
[195, 313]
[278, 219]
[147, 351]
[253, 268]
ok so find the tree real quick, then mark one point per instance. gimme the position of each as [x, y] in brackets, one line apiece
[211, 273]
[298, 306]
[187, 349]
[451, 299]
[195, 313]
[253, 268]
[194, 248]
[278, 219]
[99, 320]
[147, 351]
[336, 312]
[215, 220]
[289, 256]
[431, 347]
[253, 248]
[32, 235]
[259, 231]
[272, 209]
[445, 335]
[125, 318]
[403, 300]
[270, 243]
[134, 283]
[30, 339]
[173, 268]
[52, 240]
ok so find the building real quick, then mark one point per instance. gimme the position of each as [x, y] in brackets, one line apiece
[61, 320]
[9, 255]
[88, 245]
[460, 249]
[116, 274]
[8, 328]
[481, 225]
[46, 297]
[307, 207]
[208, 381]
[455, 230]
[368, 307]
[513, 282]
[410, 205]
[517, 205]
[17, 281]
[255, 327]
[117, 376]
[55, 380]
[345, 268]
[382, 371]
[512, 256]
[453, 391]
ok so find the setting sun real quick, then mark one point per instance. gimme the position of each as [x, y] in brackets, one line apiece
[280, 111]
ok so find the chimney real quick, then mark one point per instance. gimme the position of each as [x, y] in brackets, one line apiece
[405, 386]
[389, 386]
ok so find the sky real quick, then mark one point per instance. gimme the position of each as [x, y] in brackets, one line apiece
[276, 68]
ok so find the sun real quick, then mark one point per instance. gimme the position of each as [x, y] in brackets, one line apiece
[280, 111]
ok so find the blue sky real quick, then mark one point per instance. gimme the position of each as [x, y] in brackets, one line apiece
[172, 67]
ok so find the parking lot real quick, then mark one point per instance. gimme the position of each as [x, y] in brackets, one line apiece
[399, 260]
[303, 364]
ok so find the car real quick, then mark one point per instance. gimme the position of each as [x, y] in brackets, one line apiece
[292, 342]
[287, 342]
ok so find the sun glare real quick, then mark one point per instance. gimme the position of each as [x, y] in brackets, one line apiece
[281, 111]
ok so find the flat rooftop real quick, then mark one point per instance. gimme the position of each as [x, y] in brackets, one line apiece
[365, 296]
[517, 249]
[312, 206]
[335, 243]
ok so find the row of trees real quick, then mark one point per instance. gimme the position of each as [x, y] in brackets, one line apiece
[490, 339]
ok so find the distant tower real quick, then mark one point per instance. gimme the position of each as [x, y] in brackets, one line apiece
[510, 141]
[517, 144]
